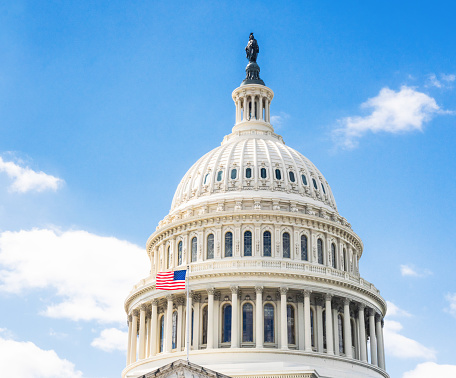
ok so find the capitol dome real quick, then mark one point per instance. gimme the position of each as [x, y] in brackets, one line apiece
[274, 288]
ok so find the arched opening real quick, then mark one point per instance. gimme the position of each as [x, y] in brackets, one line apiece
[162, 333]
[179, 253]
[204, 326]
[345, 260]
[304, 255]
[229, 244]
[291, 325]
[267, 250]
[286, 245]
[194, 249]
[269, 323]
[174, 330]
[333, 255]
[170, 258]
[226, 323]
[247, 323]
[210, 246]
[340, 327]
[320, 251]
[312, 327]
[248, 243]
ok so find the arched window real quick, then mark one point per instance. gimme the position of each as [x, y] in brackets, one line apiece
[333, 255]
[340, 329]
[210, 246]
[292, 176]
[304, 179]
[315, 184]
[263, 173]
[291, 325]
[229, 244]
[170, 258]
[206, 178]
[226, 324]
[233, 174]
[194, 249]
[323, 187]
[304, 255]
[162, 332]
[320, 251]
[174, 336]
[248, 173]
[345, 266]
[312, 327]
[286, 245]
[247, 243]
[179, 253]
[278, 174]
[269, 323]
[204, 326]
[247, 323]
[219, 175]
[267, 250]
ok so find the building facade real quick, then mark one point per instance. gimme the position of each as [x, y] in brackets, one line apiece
[273, 267]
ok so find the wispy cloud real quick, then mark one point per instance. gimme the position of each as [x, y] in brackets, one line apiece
[394, 310]
[411, 271]
[111, 339]
[445, 80]
[38, 362]
[451, 298]
[278, 121]
[91, 275]
[431, 369]
[392, 112]
[26, 179]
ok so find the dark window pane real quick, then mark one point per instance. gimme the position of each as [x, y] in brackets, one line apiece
[304, 248]
[323, 187]
[333, 255]
[263, 173]
[278, 174]
[219, 175]
[206, 178]
[247, 243]
[268, 323]
[267, 250]
[291, 324]
[312, 327]
[248, 173]
[179, 252]
[226, 324]
[341, 334]
[228, 244]
[320, 251]
[292, 176]
[194, 250]
[247, 323]
[174, 336]
[286, 245]
[169, 258]
[210, 246]
[233, 174]
[315, 183]
[304, 179]
[204, 330]
[162, 332]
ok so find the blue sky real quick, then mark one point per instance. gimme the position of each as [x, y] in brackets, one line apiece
[105, 105]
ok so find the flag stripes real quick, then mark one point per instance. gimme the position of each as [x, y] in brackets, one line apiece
[171, 280]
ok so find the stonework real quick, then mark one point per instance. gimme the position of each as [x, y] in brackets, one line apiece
[273, 268]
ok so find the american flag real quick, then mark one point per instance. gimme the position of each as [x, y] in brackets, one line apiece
[171, 280]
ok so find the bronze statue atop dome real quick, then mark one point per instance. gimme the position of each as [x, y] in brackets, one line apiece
[252, 49]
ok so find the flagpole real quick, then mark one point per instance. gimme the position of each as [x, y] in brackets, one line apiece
[187, 277]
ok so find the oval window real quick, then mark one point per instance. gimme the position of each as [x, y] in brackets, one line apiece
[323, 187]
[292, 176]
[205, 178]
[248, 173]
[219, 175]
[278, 174]
[263, 173]
[233, 174]
[304, 179]
[315, 183]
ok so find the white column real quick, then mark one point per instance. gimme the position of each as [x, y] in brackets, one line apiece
[336, 331]
[180, 312]
[379, 331]
[300, 323]
[266, 110]
[244, 99]
[188, 332]
[129, 339]
[196, 320]
[142, 332]
[362, 333]
[134, 333]
[347, 329]
[147, 340]
[329, 330]
[261, 108]
[319, 303]
[259, 333]
[307, 325]
[234, 317]
[169, 324]
[210, 318]
[283, 318]
[154, 331]
[373, 339]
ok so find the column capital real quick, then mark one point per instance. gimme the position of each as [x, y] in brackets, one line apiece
[307, 293]
[180, 301]
[130, 318]
[361, 306]
[234, 289]
[217, 295]
[328, 296]
[259, 289]
[299, 297]
[135, 312]
[347, 301]
[378, 317]
[169, 297]
[155, 302]
[196, 297]
[210, 291]
[143, 307]
[370, 311]
[283, 290]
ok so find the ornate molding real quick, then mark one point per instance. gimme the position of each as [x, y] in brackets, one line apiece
[234, 289]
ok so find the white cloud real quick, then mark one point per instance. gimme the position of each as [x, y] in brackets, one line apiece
[26, 360]
[91, 274]
[411, 271]
[400, 346]
[431, 369]
[448, 77]
[451, 298]
[111, 339]
[433, 81]
[26, 179]
[444, 81]
[393, 310]
[278, 121]
[392, 112]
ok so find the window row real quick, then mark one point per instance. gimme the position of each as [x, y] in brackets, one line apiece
[267, 249]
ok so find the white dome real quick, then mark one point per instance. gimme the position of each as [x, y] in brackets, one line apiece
[250, 164]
